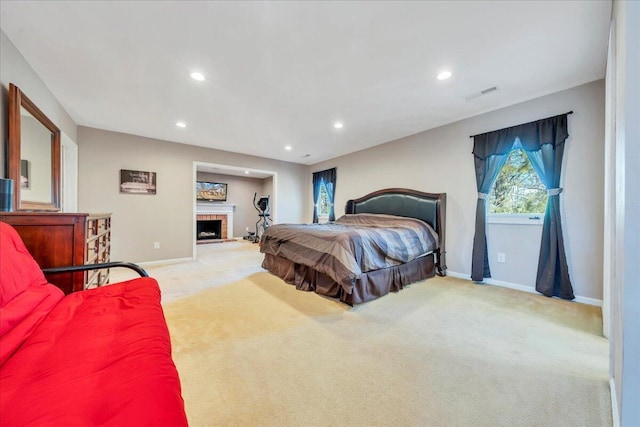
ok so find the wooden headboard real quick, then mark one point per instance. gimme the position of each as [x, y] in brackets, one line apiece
[429, 207]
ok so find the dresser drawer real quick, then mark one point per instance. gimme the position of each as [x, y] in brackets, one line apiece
[91, 279]
[97, 226]
[91, 251]
[104, 243]
[98, 249]
[103, 277]
[96, 278]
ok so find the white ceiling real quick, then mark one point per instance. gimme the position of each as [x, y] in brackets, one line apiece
[281, 73]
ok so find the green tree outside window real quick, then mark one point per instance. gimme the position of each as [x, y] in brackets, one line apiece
[323, 201]
[518, 190]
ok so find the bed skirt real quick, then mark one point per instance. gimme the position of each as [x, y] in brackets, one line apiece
[370, 286]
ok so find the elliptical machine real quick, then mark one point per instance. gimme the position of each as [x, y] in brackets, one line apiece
[263, 208]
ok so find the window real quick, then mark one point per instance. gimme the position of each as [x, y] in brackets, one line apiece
[518, 193]
[324, 187]
[323, 203]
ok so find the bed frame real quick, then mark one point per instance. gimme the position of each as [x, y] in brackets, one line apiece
[429, 207]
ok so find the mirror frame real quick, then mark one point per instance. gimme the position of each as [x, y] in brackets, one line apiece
[18, 99]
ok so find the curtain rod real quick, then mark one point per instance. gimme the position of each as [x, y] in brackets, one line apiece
[550, 117]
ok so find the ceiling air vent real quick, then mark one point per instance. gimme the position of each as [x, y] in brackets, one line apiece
[482, 92]
[486, 91]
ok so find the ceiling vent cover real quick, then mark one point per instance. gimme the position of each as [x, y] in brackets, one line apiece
[482, 92]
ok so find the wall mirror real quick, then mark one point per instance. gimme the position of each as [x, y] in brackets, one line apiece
[33, 155]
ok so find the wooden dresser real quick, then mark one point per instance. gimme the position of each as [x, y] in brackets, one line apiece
[65, 239]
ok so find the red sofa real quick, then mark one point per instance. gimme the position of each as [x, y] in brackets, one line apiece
[100, 357]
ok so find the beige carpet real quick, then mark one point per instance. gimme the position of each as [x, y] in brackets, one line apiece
[442, 352]
[217, 264]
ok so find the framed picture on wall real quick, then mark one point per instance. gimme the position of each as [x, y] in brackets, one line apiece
[137, 182]
[25, 173]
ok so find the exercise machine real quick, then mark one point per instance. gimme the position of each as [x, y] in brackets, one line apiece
[264, 217]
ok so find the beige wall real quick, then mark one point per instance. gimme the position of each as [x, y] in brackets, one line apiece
[167, 217]
[440, 160]
[240, 191]
[15, 69]
[267, 190]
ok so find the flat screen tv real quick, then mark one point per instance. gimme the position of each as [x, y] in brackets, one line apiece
[211, 191]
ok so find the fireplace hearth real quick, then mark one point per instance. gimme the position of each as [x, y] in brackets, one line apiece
[208, 229]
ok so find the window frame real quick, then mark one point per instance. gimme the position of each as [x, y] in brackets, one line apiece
[515, 218]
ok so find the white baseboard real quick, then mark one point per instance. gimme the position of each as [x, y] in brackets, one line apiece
[614, 403]
[165, 261]
[524, 288]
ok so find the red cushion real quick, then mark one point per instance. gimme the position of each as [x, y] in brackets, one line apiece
[25, 296]
[18, 269]
[22, 315]
[101, 357]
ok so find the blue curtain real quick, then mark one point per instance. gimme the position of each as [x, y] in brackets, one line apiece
[328, 178]
[487, 171]
[543, 141]
[553, 271]
[317, 183]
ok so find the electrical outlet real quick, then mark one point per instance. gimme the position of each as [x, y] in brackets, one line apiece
[502, 257]
[156, 245]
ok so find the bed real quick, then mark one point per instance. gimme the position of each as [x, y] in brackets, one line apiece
[341, 259]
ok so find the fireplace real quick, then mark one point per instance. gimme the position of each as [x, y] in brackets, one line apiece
[215, 211]
[209, 229]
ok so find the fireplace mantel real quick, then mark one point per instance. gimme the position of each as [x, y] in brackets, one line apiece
[216, 208]
[219, 209]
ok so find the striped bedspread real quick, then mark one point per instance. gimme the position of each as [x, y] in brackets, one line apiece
[351, 246]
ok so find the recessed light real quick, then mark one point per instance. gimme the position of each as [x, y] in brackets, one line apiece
[197, 76]
[181, 124]
[246, 172]
[338, 125]
[444, 75]
[288, 148]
